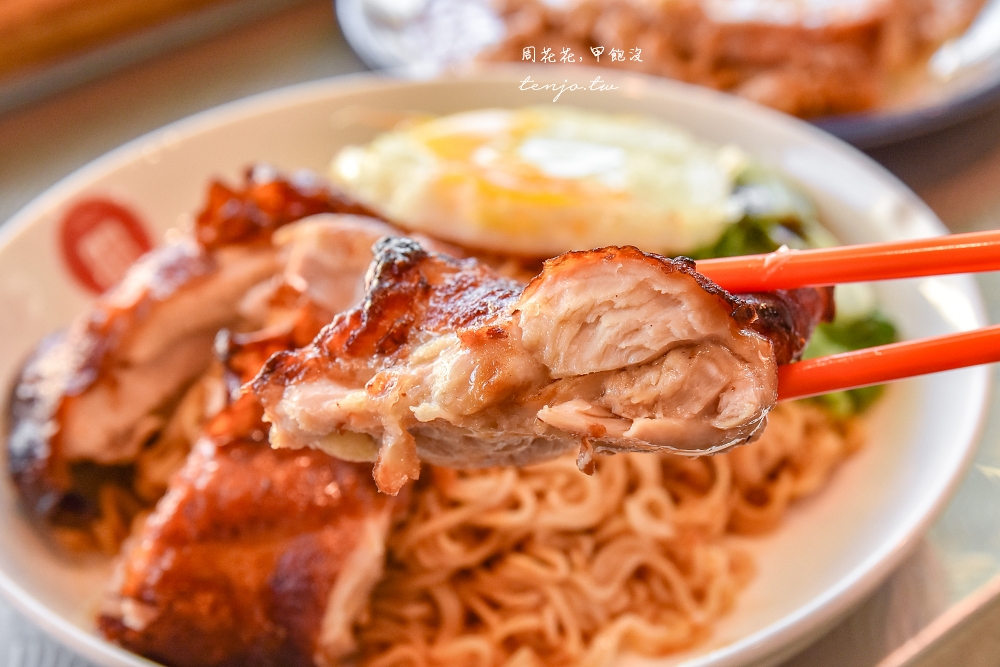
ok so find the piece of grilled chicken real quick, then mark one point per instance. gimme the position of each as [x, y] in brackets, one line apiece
[257, 556]
[608, 350]
[254, 557]
[91, 397]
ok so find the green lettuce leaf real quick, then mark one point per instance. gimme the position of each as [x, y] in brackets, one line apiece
[777, 214]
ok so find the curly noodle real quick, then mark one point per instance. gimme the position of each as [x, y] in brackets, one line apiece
[547, 566]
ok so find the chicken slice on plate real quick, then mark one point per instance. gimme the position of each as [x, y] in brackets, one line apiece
[257, 556]
[607, 350]
[95, 396]
[254, 557]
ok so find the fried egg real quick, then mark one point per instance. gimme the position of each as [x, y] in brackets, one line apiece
[540, 181]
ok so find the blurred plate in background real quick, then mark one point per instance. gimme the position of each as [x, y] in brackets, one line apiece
[421, 38]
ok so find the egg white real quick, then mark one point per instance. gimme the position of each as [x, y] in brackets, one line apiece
[544, 180]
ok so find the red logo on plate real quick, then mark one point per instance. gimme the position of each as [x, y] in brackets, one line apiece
[100, 240]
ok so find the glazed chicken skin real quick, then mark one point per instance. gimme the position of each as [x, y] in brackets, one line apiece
[254, 557]
[92, 397]
[607, 350]
[92, 393]
[257, 556]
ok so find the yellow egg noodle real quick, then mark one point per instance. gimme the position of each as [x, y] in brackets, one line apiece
[546, 566]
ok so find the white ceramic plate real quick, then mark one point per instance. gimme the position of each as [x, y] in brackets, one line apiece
[831, 550]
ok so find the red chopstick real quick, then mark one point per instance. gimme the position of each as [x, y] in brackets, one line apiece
[788, 269]
[886, 363]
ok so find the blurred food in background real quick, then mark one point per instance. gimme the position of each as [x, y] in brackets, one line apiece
[50, 45]
[805, 57]
[35, 32]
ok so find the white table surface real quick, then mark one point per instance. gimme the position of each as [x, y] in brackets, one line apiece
[41, 143]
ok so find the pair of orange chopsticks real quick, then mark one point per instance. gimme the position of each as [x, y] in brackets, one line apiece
[958, 253]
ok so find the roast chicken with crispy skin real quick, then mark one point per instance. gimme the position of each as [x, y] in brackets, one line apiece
[607, 350]
[93, 397]
[257, 556]
[254, 557]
